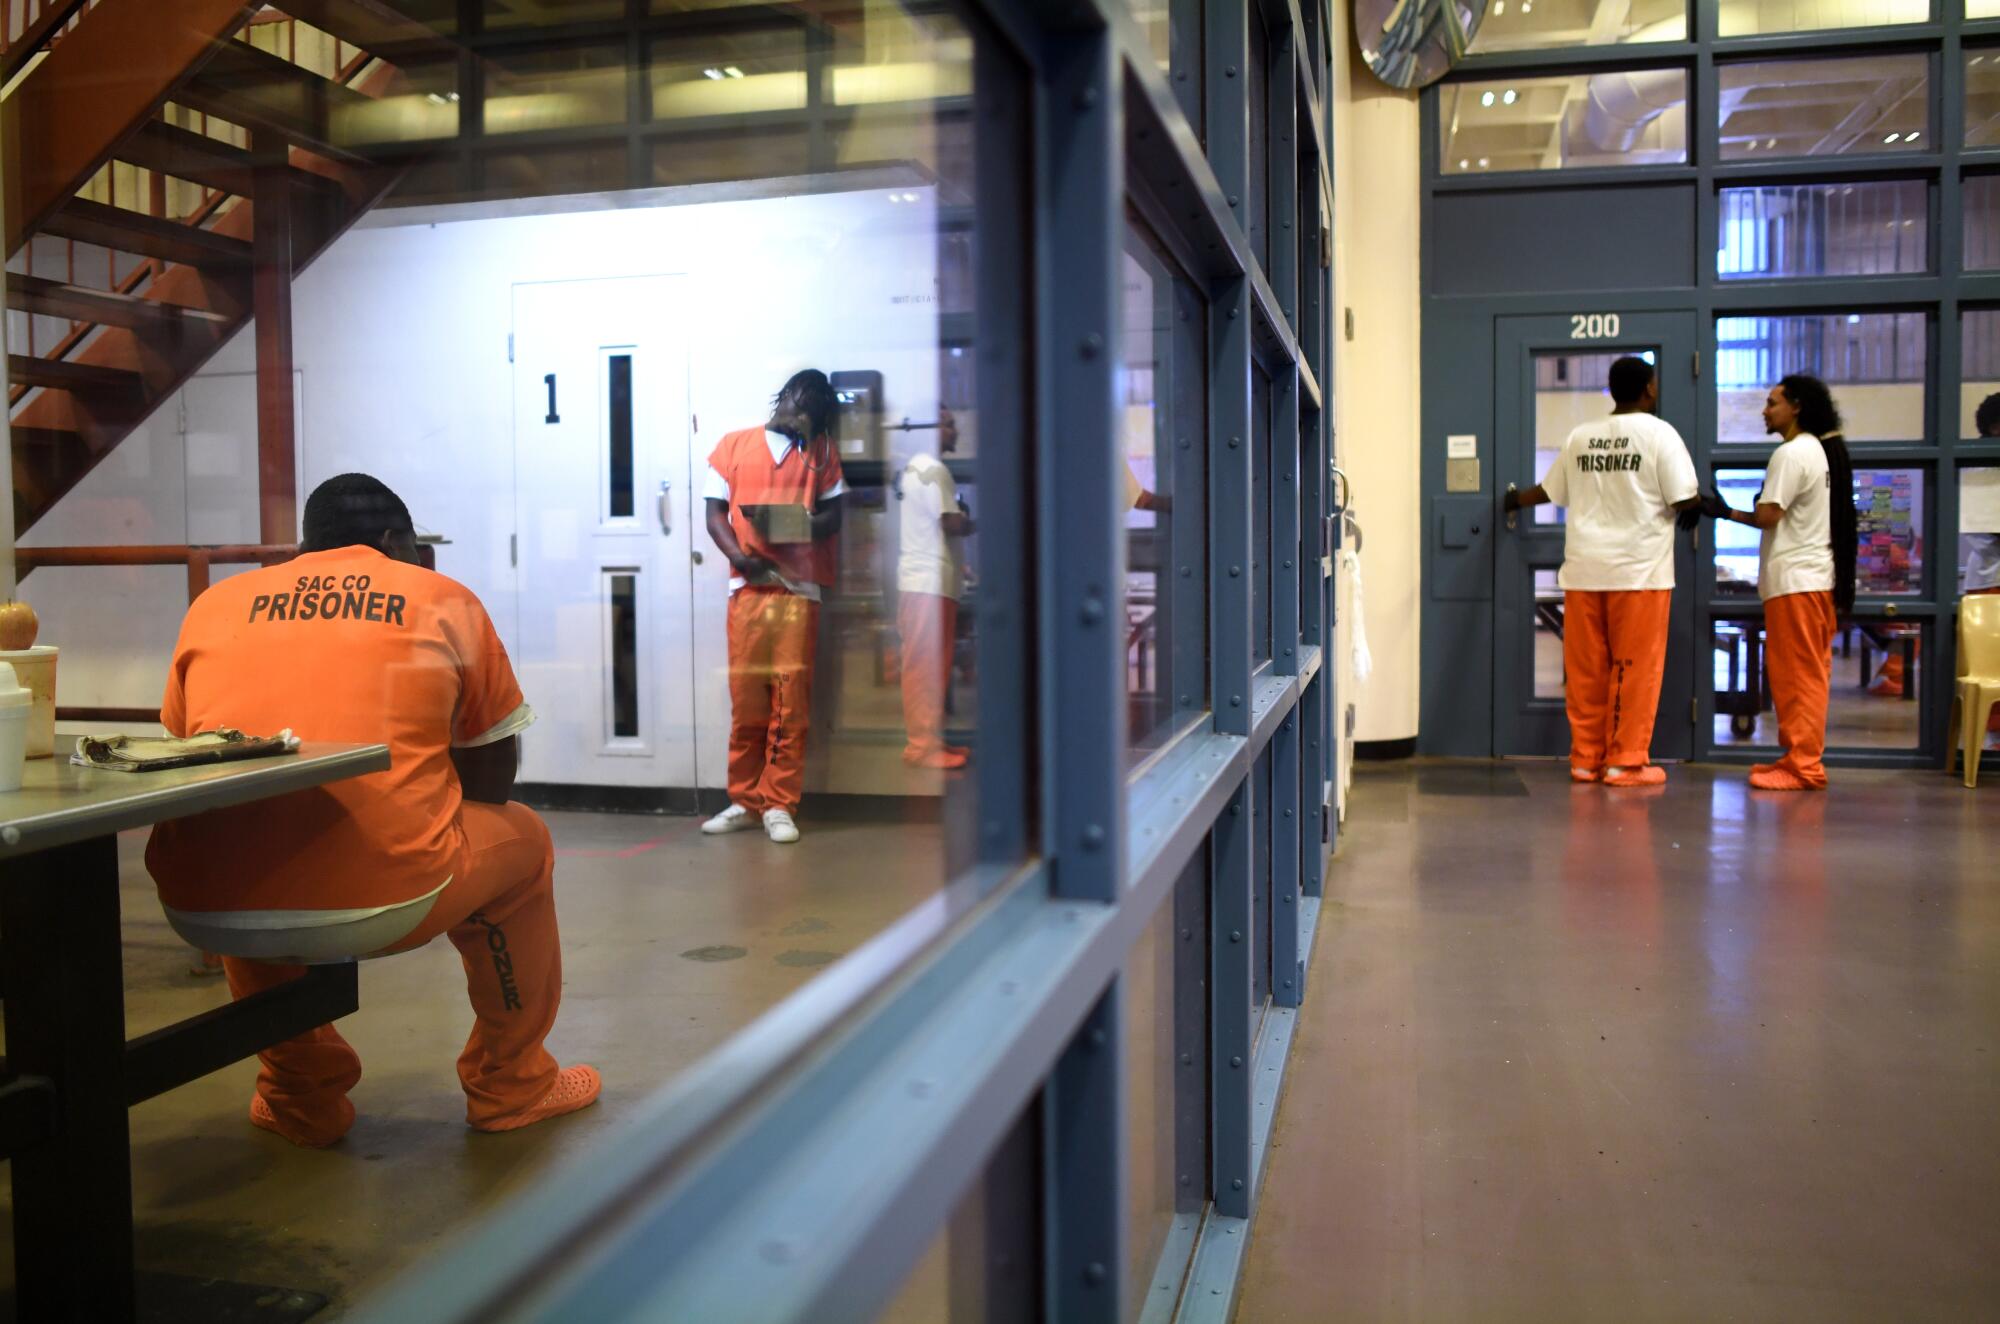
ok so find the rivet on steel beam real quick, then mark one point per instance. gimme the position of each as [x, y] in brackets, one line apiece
[1091, 346]
[1235, 701]
[1094, 1273]
[1232, 311]
[1236, 935]
[1098, 1038]
[1093, 836]
[1086, 99]
[1237, 1184]
[1288, 565]
[1229, 72]
[1093, 610]
[1186, 1180]
[1235, 201]
[1235, 1061]
[1235, 571]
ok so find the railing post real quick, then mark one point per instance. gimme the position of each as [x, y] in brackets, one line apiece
[271, 292]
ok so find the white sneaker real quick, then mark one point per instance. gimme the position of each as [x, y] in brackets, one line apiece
[779, 827]
[733, 819]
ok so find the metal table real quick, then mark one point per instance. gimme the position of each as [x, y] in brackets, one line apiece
[70, 1072]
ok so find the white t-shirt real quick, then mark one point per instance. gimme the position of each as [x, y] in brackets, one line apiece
[1797, 555]
[927, 562]
[1982, 561]
[1619, 478]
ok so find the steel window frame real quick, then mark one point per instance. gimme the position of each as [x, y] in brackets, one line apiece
[801, 1171]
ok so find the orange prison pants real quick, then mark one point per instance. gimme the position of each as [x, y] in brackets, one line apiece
[500, 912]
[1798, 659]
[928, 625]
[1614, 656]
[772, 635]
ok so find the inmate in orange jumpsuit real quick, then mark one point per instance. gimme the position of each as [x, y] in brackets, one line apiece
[1798, 658]
[1614, 656]
[773, 628]
[927, 624]
[349, 645]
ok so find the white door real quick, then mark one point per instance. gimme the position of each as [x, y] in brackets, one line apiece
[602, 513]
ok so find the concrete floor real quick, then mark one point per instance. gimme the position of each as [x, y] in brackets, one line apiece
[1709, 1055]
[671, 942]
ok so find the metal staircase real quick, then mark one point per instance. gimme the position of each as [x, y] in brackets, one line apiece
[173, 167]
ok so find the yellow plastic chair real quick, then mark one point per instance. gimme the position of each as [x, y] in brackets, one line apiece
[1978, 688]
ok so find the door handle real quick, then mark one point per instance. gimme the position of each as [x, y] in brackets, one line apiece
[1514, 515]
[666, 507]
[1343, 492]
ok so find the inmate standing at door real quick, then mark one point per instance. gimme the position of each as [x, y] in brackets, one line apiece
[1622, 480]
[774, 501]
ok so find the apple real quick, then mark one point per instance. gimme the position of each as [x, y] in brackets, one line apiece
[18, 626]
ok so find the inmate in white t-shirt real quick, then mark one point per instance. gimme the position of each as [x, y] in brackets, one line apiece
[1620, 478]
[1796, 556]
[927, 562]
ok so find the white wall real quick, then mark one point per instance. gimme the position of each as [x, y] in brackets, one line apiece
[401, 340]
[1376, 273]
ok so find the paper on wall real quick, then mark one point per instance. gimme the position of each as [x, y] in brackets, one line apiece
[1979, 500]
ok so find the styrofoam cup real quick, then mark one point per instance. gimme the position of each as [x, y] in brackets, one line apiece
[17, 709]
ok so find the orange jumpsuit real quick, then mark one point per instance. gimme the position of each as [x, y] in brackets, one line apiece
[349, 645]
[773, 628]
[1798, 658]
[1614, 656]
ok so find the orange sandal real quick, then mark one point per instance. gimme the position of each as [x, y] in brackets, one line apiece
[1777, 779]
[576, 1087]
[264, 1119]
[1650, 775]
[1585, 775]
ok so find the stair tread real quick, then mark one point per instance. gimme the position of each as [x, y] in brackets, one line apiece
[147, 236]
[65, 374]
[262, 92]
[53, 298]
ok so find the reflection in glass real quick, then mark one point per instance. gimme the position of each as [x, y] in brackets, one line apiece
[1413, 43]
[1570, 390]
[1890, 532]
[1617, 118]
[1747, 18]
[1982, 98]
[1979, 528]
[1559, 24]
[1979, 372]
[1982, 8]
[1779, 108]
[555, 87]
[1875, 363]
[1173, 32]
[700, 74]
[1873, 702]
[1164, 402]
[1982, 222]
[1260, 515]
[1866, 229]
[1548, 670]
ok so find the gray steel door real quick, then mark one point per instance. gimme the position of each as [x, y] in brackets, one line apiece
[1549, 375]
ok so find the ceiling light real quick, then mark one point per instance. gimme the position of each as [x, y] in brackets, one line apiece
[711, 73]
[1769, 143]
[733, 71]
[1913, 136]
[1464, 164]
[1509, 96]
[1854, 319]
[435, 99]
[1894, 137]
[1486, 98]
[1482, 163]
[1499, 7]
[1527, 7]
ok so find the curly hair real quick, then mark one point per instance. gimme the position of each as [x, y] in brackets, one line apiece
[1821, 417]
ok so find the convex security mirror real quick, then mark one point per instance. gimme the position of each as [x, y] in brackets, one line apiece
[1413, 43]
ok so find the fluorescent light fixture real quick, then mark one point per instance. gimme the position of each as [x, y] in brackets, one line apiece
[1486, 98]
[1464, 164]
[1482, 163]
[1854, 319]
[711, 73]
[1499, 7]
[1913, 135]
[1510, 96]
[1769, 143]
[733, 71]
[1894, 137]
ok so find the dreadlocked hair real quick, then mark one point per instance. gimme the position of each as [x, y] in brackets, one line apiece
[1819, 416]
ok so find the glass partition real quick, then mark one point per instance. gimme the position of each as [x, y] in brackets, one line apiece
[1748, 18]
[1979, 374]
[1982, 97]
[1982, 222]
[1558, 24]
[1862, 229]
[1616, 118]
[1875, 363]
[1828, 107]
[1873, 702]
[1890, 509]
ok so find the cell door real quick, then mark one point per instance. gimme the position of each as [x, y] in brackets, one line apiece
[603, 532]
[1550, 374]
